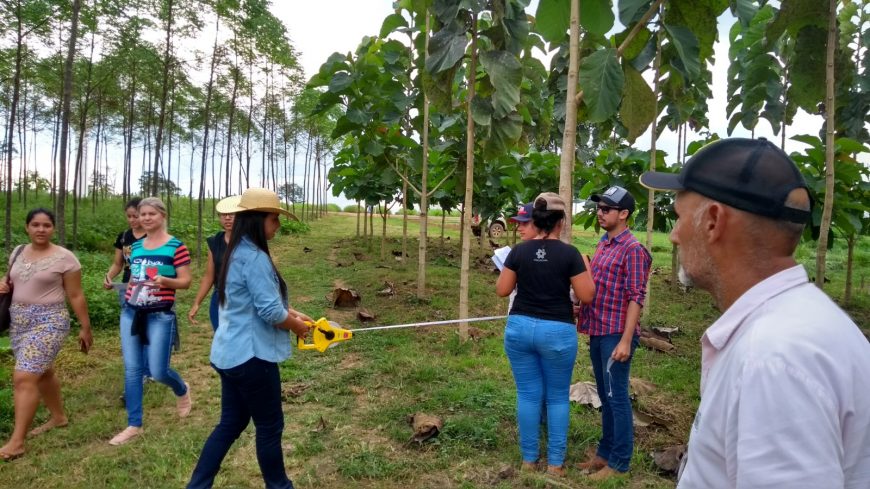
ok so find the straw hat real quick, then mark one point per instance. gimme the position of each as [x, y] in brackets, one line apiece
[253, 199]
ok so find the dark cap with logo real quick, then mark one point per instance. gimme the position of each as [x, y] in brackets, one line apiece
[752, 175]
[616, 197]
[524, 213]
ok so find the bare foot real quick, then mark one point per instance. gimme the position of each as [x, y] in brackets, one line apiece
[10, 452]
[48, 426]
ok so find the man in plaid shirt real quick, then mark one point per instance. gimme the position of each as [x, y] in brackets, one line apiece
[620, 269]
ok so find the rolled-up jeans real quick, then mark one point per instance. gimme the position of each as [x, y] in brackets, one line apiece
[250, 391]
[542, 354]
[161, 331]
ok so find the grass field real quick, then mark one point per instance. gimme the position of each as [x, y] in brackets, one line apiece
[346, 409]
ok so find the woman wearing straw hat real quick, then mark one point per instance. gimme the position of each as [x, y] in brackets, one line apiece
[159, 265]
[254, 335]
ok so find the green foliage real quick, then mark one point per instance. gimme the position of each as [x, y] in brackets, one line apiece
[638, 105]
[552, 19]
[602, 80]
[352, 208]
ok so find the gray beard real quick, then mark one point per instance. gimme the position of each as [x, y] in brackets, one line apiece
[684, 278]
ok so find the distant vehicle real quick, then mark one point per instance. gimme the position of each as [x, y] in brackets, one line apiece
[497, 226]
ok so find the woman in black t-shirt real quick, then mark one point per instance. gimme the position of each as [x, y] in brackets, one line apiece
[125, 240]
[540, 339]
[217, 245]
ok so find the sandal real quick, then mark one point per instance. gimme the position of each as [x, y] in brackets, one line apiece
[47, 426]
[125, 436]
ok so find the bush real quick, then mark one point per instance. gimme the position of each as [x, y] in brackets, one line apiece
[411, 212]
[294, 227]
[352, 208]
[333, 207]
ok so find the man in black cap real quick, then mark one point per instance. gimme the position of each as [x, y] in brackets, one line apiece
[620, 269]
[785, 373]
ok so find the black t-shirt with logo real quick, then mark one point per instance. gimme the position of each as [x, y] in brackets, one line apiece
[124, 242]
[544, 268]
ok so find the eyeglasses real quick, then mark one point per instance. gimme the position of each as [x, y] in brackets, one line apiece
[604, 209]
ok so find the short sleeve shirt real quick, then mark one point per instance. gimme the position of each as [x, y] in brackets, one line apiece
[41, 281]
[124, 242]
[146, 265]
[544, 268]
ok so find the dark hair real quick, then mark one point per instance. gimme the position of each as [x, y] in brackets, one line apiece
[134, 203]
[545, 220]
[40, 210]
[250, 224]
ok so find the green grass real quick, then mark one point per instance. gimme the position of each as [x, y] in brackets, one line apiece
[346, 410]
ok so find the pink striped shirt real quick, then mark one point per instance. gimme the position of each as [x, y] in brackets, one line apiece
[620, 269]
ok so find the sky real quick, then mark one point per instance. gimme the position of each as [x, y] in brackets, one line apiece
[319, 28]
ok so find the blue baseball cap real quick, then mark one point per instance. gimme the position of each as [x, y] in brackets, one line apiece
[524, 213]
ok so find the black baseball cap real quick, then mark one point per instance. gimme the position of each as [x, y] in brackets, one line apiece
[752, 175]
[617, 197]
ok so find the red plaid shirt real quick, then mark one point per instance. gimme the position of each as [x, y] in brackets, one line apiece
[620, 269]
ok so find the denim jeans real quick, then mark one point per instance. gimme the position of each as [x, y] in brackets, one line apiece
[251, 390]
[213, 310]
[617, 428]
[541, 354]
[161, 331]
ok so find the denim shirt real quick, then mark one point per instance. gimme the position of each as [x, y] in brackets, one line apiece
[252, 307]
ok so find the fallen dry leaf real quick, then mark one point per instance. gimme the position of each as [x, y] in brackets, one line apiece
[425, 426]
[585, 393]
[643, 419]
[294, 390]
[364, 315]
[389, 290]
[657, 344]
[669, 459]
[306, 250]
[666, 332]
[641, 387]
[320, 426]
[345, 297]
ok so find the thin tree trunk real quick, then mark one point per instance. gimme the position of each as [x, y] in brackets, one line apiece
[569, 136]
[358, 212]
[13, 107]
[64, 131]
[653, 156]
[850, 253]
[164, 94]
[207, 112]
[830, 109]
[424, 185]
[469, 185]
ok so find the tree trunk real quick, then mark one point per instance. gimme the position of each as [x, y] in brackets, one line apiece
[424, 186]
[569, 135]
[469, 185]
[653, 156]
[404, 217]
[850, 253]
[830, 110]
[13, 107]
[358, 212]
[207, 112]
[80, 151]
[164, 95]
[64, 127]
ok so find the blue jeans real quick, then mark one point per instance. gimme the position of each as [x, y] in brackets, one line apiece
[251, 390]
[161, 331]
[617, 428]
[213, 310]
[541, 354]
[123, 301]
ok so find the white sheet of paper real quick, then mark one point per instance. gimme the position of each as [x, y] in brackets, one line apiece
[500, 255]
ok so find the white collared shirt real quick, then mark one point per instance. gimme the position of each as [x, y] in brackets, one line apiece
[785, 394]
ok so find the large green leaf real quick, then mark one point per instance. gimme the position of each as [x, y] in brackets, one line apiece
[794, 15]
[481, 111]
[446, 48]
[506, 74]
[596, 16]
[445, 10]
[638, 104]
[687, 48]
[391, 23]
[630, 11]
[601, 79]
[807, 89]
[552, 19]
[745, 10]
[340, 81]
[504, 133]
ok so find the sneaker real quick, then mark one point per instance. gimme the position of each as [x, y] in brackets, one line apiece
[184, 403]
[125, 436]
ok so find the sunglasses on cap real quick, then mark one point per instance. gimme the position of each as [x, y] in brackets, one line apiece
[604, 209]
